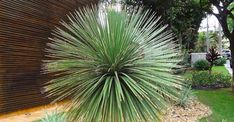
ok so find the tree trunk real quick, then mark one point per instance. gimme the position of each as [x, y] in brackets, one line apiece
[231, 40]
[222, 16]
[180, 40]
[210, 69]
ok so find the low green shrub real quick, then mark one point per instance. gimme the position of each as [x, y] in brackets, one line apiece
[187, 93]
[220, 62]
[202, 79]
[201, 65]
[53, 117]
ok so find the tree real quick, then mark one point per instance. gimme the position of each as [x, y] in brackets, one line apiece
[225, 17]
[200, 44]
[214, 39]
[230, 20]
[182, 16]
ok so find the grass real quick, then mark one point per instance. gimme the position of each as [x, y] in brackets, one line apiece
[221, 102]
[221, 69]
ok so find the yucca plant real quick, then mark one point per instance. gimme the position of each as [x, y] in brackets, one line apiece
[53, 117]
[113, 72]
[186, 94]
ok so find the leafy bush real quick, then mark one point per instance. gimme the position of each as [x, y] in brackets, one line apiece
[201, 65]
[115, 70]
[220, 62]
[202, 79]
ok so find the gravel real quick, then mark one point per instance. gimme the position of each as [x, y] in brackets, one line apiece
[191, 113]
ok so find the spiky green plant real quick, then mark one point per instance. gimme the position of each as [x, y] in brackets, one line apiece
[113, 72]
[53, 117]
[186, 94]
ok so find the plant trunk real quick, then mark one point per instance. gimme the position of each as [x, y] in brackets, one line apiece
[232, 52]
[180, 40]
[232, 71]
[210, 69]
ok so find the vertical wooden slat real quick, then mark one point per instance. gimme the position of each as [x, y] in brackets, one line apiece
[25, 26]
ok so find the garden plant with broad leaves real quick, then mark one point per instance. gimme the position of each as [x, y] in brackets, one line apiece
[117, 71]
[212, 56]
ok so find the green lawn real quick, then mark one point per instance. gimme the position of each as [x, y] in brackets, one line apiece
[221, 69]
[221, 102]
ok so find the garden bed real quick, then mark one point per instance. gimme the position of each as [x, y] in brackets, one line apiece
[219, 100]
[219, 78]
[191, 113]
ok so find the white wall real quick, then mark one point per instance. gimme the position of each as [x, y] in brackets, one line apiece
[197, 56]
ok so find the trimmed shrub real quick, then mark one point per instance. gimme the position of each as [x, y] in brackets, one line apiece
[220, 62]
[202, 79]
[201, 65]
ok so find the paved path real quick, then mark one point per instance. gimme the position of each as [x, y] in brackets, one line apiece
[227, 65]
[29, 115]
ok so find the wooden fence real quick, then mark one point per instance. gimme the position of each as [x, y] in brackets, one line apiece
[25, 26]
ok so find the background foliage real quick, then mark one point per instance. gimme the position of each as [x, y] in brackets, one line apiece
[183, 16]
